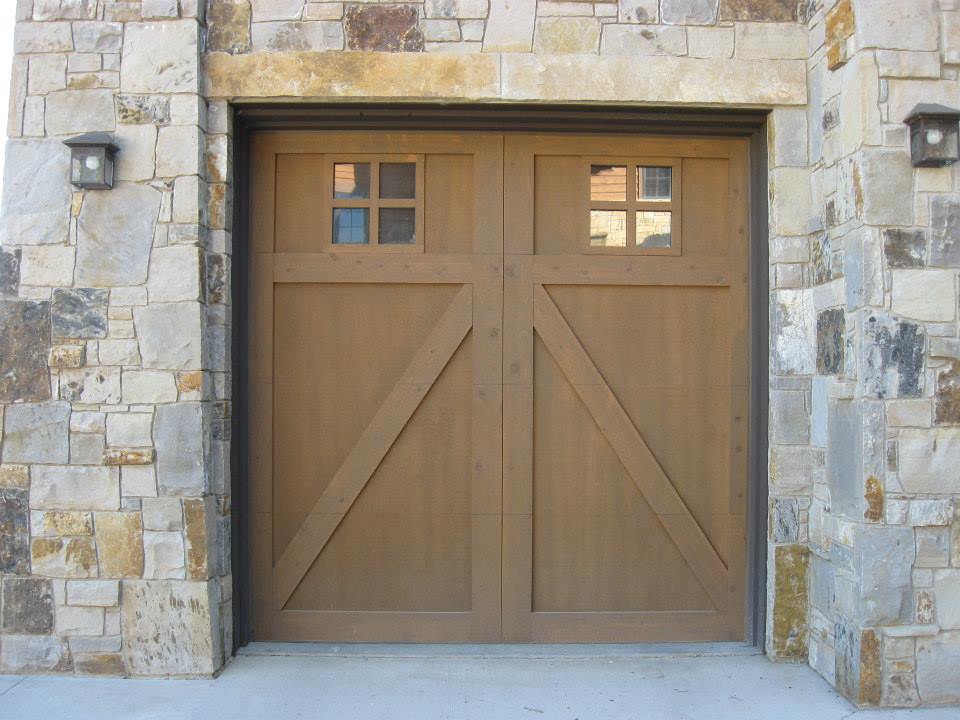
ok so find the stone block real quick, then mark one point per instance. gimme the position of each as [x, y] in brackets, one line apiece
[831, 331]
[276, 9]
[170, 335]
[938, 658]
[510, 26]
[946, 585]
[792, 211]
[36, 198]
[154, 611]
[27, 606]
[131, 429]
[794, 469]
[704, 42]
[785, 520]
[128, 456]
[137, 156]
[159, 9]
[9, 272]
[945, 231]
[794, 343]
[822, 579]
[228, 26]
[119, 544]
[91, 385]
[947, 394]
[928, 460]
[160, 57]
[909, 413]
[789, 418]
[164, 555]
[86, 449]
[14, 531]
[74, 557]
[567, 35]
[32, 37]
[636, 40]
[788, 134]
[33, 654]
[381, 28]
[138, 481]
[36, 433]
[933, 547]
[904, 248]
[459, 9]
[128, 212]
[162, 514]
[119, 352]
[641, 11]
[181, 453]
[174, 274]
[901, 64]
[47, 265]
[79, 621]
[440, 30]
[143, 109]
[187, 204]
[200, 522]
[927, 295]
[771, 41]
[759, 10]
[47, 73]
[893, 366]
[92, 422]
[52, 523]
[885, 188]
[148, 386]
[71, 112]
[65, 357]
[845, 471]
[97, 37]
[14, 477]
[884, 557]
[688, 12]
[790, 601]
[25, 329]
[74, 488]
[79, 313]
[897, 26]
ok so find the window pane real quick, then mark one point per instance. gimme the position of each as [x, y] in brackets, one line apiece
[608, 228]
[398, 180]
[608, 182]
[654, 183]
[351, 226]
[397, 226]
[653, 229]
[351, 180]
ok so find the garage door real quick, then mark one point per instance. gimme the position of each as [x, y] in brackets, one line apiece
[498, 387]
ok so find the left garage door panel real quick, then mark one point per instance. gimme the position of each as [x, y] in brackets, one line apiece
[375, 302]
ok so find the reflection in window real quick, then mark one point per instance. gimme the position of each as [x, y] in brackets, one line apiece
[653, 229]
[608, 228]
[654, 183]
[608, 182]
[397, 226]
[350, 226]
[351, 180]
[398, 181]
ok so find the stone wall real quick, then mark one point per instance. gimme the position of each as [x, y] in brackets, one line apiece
[114, 306]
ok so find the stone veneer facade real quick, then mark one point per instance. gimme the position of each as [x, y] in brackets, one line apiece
[115, 317]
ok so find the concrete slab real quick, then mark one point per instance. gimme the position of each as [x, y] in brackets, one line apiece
[354, 686]
[8, 681]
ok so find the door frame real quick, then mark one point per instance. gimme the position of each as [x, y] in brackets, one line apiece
[249, 119]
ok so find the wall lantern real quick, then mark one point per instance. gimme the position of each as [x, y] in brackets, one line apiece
[933, 135]
[91, 161]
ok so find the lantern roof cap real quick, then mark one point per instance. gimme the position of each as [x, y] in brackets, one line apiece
[94, 139]
[932, 110]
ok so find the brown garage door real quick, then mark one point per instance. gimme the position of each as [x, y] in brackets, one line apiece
[499, 388]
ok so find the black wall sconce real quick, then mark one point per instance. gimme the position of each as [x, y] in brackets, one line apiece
[934, 131]
[92, 161]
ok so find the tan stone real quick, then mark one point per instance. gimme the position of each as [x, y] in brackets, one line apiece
[567, 35]
[199, 516]
[56, 522]
[790, 603]
[190, 382]
[14, 476]
[839, 26]
[67, 356]
[119, 542]
[360, 75]
[74, 557]
[228, 26]
[100, 664]
[128, 456]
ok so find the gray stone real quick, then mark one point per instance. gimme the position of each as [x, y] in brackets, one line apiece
[71, 112]
[14, 532]
[933, 547]
[786, 520]
[170, 335]
[27, 606]
[893, 357]
[945, 231]
[937, 661]
[793, 334]
[97, 37]
[831, 328]
[821, 270]
[79, 313]
[823, 577]
[25, 329]
[863, 268]
[33, 653]
[689, 12]
[884, 583]
[905, 248]
[304, 36]
[636, 40]
[37, 433]
[928, 460]
[36, 194]
[156, 611]
[845, 459]
[115, 234]
[9, 272]
[91, 385]
[74, 488]
[181, 453]
[886, 187]
[789, 419]
[143, 109]
[64, 9]
[160, 57]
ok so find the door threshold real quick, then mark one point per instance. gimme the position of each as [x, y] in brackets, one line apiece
[535, 651]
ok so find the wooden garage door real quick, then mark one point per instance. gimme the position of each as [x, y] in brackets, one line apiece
[499, 388]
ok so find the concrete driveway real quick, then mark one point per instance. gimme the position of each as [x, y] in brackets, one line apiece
[458, 682]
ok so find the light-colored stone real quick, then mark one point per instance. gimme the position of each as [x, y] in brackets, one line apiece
[119, 352]
[770, 41]
[187, 201]
[946, 585]
[91, 385]
[155, 610]
[276, 9]
[924, 294]
[47, 265]
[174, 274]
[79, 620]
[566, 35]
[74, 488]
[181, 450]
[859, 98]
[937, 512]
[94, 593]
[899, 64]
[36, 433]
[937, 661]
[138, 481]
[129, 212]
[170, 335]
[56, 557]
[137, 155]
[709, 42]
[15, 477]
[160, 57]
[313, 36]
[456, 8]
[510, 26]
[31, 37]
[896, 25]
[178, 151]
[148, 386]
[71, 112]
[86, 449]
[33, 653]
[131, 429]
[794, 469]
[689, 12]
[162, 514]
[36, 195]
[636, 40]
[792, 209]
[91, 422]
[909, 413]
[97, 37]
[793, 333]
[930, 460]
[159, 9]
[47, 73]
[164, 554]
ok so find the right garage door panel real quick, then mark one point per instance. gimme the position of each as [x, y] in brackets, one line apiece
[625, 389]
